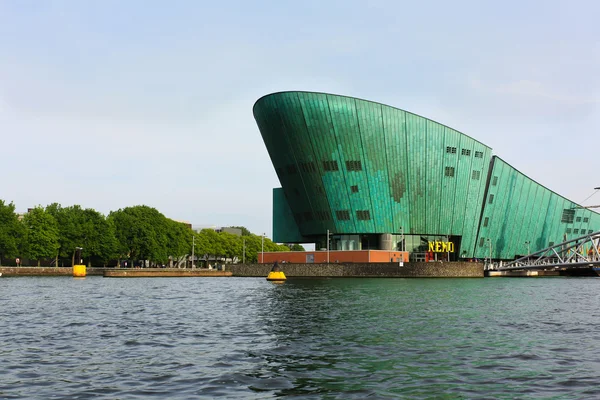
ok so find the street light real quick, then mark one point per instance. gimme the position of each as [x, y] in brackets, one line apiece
[193, 245]
[327, 246]
[402, 247]
[527, 243]
[244, 251]
[262, 251]
[490, 243]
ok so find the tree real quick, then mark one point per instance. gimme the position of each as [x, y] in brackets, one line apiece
[295, 247]
[143, 233]
[41, 234]
[11, 231]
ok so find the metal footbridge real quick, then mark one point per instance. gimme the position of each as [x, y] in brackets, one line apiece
[580, 252]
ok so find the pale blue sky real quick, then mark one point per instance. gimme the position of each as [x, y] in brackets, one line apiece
[110, 104]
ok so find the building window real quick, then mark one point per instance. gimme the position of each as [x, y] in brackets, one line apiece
[449, 171]
[465, 152]
[576, 231]
[363, 215]
[342, 215]
[323, 216]
[308, 167]
[354, 189]
[479, 154]
[586, 219]
[485, 221]
[475, 175]
[291, 169]
[569, 230]
[578, 219]
[568, 216]
[550, 244]
[481, 242]
[354, 165]
[451, 150]
[495, 181]
[491, 199]
[590, 231]
[330, 165]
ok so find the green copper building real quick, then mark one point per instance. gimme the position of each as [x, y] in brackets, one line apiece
[377, 177]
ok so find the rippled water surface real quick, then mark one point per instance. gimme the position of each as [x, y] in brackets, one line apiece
[328, 338]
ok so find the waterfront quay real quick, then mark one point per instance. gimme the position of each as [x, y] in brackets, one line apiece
[331, 270]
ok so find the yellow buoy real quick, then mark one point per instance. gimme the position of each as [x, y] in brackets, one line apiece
[276, 276]
[79, 271]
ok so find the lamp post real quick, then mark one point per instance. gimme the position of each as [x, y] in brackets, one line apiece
[490, 243]
[193, 245]
[262, 251]
[244, 251]
[327, 246]
[527, 243]
[403, 246]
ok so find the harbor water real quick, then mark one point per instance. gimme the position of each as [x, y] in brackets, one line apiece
[187, 338]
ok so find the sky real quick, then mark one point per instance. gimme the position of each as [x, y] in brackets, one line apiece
[110, 104]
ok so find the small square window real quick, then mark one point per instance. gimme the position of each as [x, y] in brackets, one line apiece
[330, 165]
[475, 175]
[576, 231]
[491, 199]
[449, 171]
[363, 215]
[465, 152]
[586, 219]
[342, 215]
[578, 219]
[495, 181]
[485, 221]
[354, 188]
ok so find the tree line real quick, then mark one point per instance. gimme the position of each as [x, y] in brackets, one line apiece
[52, 233]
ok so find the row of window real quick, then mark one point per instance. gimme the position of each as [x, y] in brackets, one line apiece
[449, 171]
[464, 152]
[576, 231]
[486, 221]
[341, 215]
[356, 165]
[361, 215]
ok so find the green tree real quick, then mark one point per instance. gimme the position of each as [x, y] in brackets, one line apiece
[296, 247]
[41, 235]
[143, 233]
[86, 228]
[11, 231]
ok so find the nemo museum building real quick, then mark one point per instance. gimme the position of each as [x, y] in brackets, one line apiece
[374, 177]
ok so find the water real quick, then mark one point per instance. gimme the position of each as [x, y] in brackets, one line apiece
[187, 338]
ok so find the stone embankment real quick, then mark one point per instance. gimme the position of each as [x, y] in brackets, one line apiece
[378, 270]
[332, 270]
[46, 271]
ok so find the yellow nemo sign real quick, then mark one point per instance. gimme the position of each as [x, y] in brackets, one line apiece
[441, 247]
